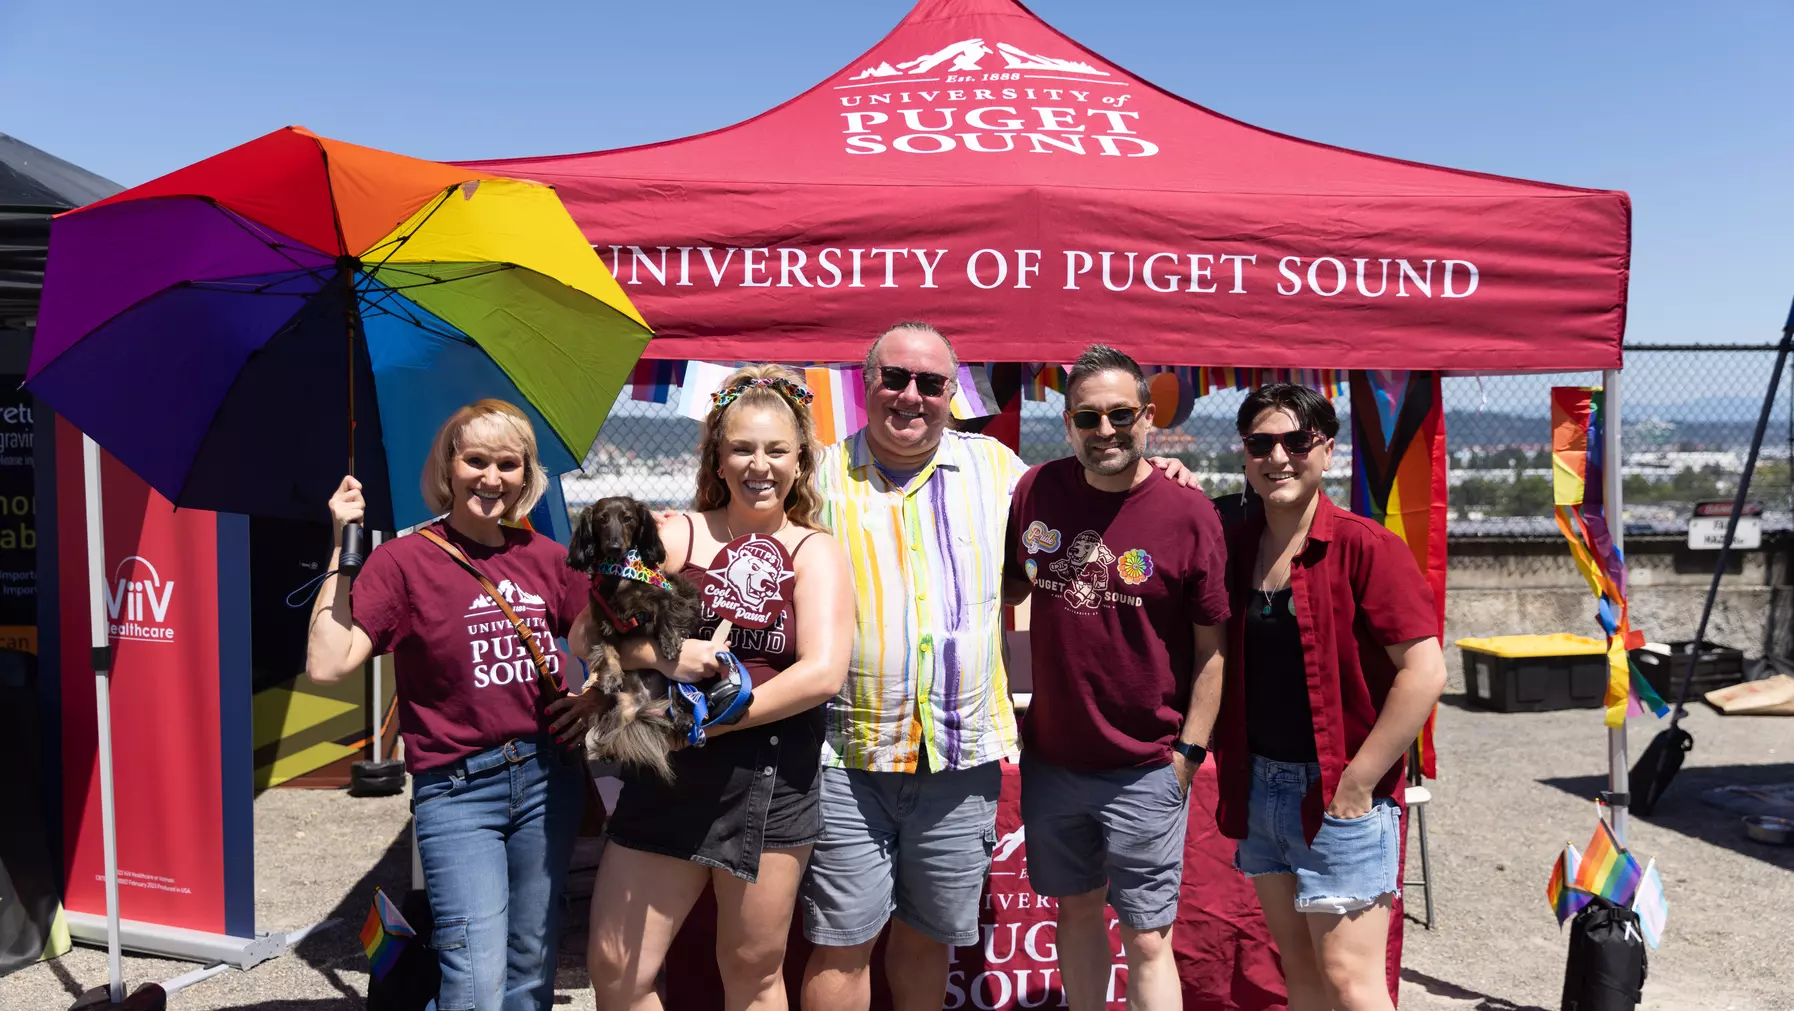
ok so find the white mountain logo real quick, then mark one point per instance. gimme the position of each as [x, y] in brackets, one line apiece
[969, 54]
[519, 599]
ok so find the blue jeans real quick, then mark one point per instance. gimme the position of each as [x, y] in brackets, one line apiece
[1352, 863]
[495, 831]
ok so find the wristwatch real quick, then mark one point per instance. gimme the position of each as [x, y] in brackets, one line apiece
[1195, 753]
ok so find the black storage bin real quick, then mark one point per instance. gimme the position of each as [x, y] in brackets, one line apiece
[1716, 667]
[1534, 673]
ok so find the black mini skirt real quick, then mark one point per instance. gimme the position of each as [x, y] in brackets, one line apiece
[737, 796]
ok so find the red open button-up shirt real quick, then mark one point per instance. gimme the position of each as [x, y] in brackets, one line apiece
[1357, 592]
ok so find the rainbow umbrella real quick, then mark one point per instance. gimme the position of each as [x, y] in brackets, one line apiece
[242, 331]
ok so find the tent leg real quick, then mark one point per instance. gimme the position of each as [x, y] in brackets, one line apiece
[1618, 767]
[102, 686]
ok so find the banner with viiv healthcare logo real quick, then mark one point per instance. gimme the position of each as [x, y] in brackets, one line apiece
[176, 595]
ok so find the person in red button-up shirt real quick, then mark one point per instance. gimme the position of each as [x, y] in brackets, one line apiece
[1332, 667]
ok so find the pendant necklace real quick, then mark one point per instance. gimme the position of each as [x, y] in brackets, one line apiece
[1270, 595]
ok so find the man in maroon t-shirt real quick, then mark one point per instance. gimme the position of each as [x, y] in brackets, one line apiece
[1127, 570]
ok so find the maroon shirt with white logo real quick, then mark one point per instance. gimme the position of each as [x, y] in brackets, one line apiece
[465, 681]
[1119, 579]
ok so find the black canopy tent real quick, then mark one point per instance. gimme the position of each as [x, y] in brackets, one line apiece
[34, 187]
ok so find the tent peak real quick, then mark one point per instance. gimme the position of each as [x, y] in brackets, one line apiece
[930, 10]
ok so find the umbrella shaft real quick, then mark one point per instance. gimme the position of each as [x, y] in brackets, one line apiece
[351, 316]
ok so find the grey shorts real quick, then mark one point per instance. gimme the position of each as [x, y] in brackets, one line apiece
[895, 842]
[1123, 829]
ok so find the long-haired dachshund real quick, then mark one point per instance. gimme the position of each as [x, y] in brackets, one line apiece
[617, 543]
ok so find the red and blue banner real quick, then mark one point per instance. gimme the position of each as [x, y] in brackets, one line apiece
[177, 599]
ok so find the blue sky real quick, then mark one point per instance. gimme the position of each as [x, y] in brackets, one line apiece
[1687, 106]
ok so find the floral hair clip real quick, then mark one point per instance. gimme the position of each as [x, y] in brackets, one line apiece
[794, 392]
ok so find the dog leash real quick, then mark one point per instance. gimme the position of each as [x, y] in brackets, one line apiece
[699, 701]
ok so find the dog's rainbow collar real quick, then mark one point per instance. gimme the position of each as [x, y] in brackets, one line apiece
[632, 568]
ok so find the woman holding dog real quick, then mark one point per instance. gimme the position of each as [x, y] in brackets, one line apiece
[741, 812]
[1332, 668]
[496, 803]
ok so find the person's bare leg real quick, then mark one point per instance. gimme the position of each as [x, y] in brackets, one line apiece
[1084, 956]
[638, 903]
[1301, 969]
[1353, 951]
[1152, 983]
[752, 924]
[839, 977]
[916, 966]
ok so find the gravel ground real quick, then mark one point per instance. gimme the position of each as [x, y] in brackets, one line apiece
[1515, 788]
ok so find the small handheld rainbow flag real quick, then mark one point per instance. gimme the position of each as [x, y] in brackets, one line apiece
[1651, 906]
[1607, 869]
[1565, 900]
[384, 934]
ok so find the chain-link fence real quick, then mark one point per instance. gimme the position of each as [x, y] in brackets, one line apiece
[1687, 415]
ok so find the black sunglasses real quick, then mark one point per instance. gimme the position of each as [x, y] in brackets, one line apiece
[928, 384]
[1297, 443]
[1120, 417]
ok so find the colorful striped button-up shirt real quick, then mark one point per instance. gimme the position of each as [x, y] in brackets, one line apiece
[927, 562]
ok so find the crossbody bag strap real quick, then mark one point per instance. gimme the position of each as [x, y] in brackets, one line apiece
[554, 689]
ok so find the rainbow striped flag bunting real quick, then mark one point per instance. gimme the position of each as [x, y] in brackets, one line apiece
[701, 380]
[384, 934]
[973, 396]
[1042, 378]
[1565, 900]
[1607, 869]
[652, 381]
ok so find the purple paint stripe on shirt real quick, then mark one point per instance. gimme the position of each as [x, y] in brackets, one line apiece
[955, 725]
[943, 540]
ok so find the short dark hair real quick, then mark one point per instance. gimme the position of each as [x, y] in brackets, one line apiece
[870, 374]
[1099, 358]
[1312, 411]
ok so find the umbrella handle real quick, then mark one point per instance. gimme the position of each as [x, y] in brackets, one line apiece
[353, 554]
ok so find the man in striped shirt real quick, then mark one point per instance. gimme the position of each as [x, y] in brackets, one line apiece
[910, 778]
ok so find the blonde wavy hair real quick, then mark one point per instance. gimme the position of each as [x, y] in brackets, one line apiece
[801, 502]
[485, 424]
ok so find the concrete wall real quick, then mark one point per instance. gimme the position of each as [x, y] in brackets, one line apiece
[1510, 587]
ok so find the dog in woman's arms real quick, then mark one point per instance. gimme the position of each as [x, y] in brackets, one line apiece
[617, 542]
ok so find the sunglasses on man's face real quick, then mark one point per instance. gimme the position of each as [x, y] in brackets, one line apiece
[1120, 417]
[928, 384]
[1297, 443]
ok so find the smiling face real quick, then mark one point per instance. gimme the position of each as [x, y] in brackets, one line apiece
[485, 481]
[758, 455]
[1106, 449]
[904, 424]
[1282, 480]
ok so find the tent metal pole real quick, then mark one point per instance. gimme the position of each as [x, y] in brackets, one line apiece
[102, 688]
[1618, 768]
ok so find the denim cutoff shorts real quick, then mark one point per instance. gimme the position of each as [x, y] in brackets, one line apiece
[1352, 863]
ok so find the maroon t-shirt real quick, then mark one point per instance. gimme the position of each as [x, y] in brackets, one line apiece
[1119, 579]
[465, 681]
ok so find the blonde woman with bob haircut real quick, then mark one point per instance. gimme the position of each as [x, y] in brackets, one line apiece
[741, 812]
[496, 802]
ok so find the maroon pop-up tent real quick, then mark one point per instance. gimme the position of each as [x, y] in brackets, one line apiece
[982, 170]
[979, 170]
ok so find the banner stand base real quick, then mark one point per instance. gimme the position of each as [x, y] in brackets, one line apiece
[187, 945]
